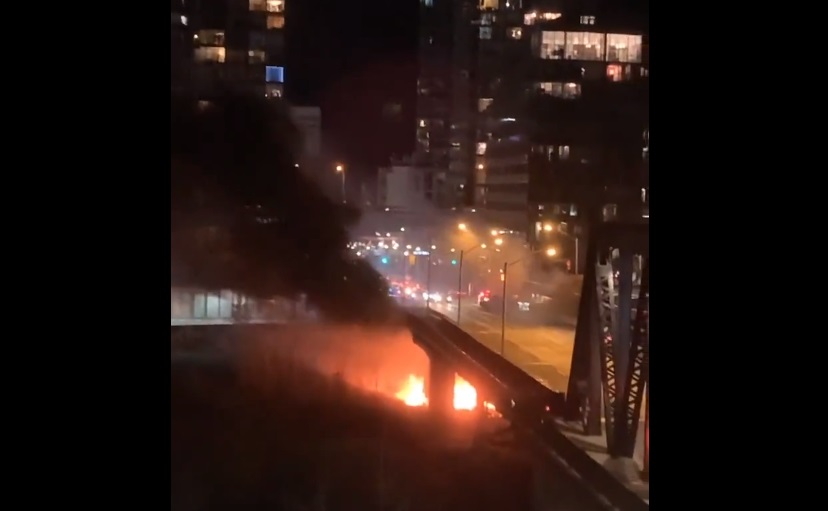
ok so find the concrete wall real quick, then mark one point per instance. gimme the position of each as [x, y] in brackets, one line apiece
[196, 305]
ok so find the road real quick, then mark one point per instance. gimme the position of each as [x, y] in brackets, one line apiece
[545, 352]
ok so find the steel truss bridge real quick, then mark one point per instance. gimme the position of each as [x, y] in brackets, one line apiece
[609, 373]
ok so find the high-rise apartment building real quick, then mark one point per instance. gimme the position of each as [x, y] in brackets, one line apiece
[238, 44]
[445, 113]
[559, 92]
[181, 48]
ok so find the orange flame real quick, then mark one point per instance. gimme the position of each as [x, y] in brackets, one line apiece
[413, 393]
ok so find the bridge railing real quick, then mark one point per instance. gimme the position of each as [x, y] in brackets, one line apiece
[537, 422]
[193, 306]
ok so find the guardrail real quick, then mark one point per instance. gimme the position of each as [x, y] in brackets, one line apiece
[532, 408]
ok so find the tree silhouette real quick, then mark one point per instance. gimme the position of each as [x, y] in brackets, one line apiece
[244, 217]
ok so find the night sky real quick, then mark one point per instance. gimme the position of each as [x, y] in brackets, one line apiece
[351, 58]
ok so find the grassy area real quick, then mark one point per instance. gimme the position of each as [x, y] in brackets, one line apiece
[279, 436]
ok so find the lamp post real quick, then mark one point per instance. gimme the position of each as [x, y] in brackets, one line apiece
[550, 252]
[577, 250]
[340, 169]
[460, 275]
[428, 281]
[431, 249]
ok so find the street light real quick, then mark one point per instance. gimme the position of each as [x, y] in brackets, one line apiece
[462, 226]
[577, 249]
[460, 274]
[340, 169]
[549, 228]
[550, 252]
[498, 241]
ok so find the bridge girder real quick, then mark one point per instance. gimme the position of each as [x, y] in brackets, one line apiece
[610, 359]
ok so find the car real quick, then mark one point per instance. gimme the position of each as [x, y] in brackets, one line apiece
[489, 302]
[484, 298]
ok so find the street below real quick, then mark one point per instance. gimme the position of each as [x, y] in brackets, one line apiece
[544, 352]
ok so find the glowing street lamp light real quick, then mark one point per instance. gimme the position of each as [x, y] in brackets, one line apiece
[551, 252]
[547, 227]
[498, 241]
[462, 226]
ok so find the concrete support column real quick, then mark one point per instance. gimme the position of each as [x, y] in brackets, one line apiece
[440, 386]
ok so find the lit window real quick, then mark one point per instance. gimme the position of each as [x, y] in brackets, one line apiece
[209, 37]
[515, 33]
[184, 20]
[267, 5]
[481, 148]
[489, 4]
[275, 74]
[275, 21]
[587, 20]
[614, 73]
[552, 45]
[530, 18]
[644, 72]
[483, 104]
[563, 152]
[623, 48]
[561, 90]
[584, 46]
[571, 90]
[256, 56]
[209, 54]
[485, 32]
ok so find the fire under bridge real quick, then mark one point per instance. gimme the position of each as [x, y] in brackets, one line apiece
[608, 378]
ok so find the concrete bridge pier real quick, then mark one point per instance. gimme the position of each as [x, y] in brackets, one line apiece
[440, 386]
